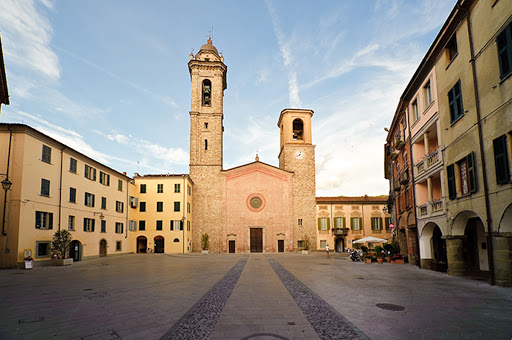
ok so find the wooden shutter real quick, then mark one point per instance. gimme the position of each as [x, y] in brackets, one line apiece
[360, 223]
[344, 222]
[50, 220]
[452, 189]
[92, 224]
[85, 224]
[93, 174]
[380, 223]
[319, 223]
[472, 172]
[501, 160]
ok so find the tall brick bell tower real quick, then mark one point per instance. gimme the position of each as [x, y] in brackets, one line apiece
[208, 77]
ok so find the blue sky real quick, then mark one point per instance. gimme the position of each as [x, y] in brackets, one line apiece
[110, 78]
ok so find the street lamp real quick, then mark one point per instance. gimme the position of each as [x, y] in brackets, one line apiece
[6, 184]
[385, 210]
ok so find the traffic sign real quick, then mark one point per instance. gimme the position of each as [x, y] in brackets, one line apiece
[391, 226]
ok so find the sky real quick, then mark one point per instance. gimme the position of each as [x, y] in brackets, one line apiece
[110, 78]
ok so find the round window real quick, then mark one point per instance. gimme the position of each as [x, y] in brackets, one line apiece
[256, 202]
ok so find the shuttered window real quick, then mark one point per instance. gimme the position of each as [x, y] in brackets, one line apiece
[501, 161]
[455, 102]
[504, 44]
[452, 188]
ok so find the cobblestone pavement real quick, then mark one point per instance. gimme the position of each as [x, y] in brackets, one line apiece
[148, 296]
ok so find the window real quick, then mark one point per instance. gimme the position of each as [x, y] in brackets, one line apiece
[176, 225]
[323, 223]
[415, 110]
[143, 188]
[428, 94]
[104, 203]
[177, 206]
[134, 202]
[89, 172]
[159, 225]
[176, 240]
[299, 221]
[387, 222]
[376, 223]
[72, 165]
[207, 92]
[118, 245]
[142, 225]
[189, 190]
[43, 249]
[501, 161]
[300, 244]
[45, 187]
[455, 102]
[206, 144]
[132, 225]
[71, 222]
[119, 206]
[504, 44]
[177, 188]
[119, 228]
[462, 177]
[89, 224]
[323, 243]
[355, 223]
[340, 222]
[104, 178]
[89, 199]
[188, 207]
[188, 225]
[119, 185]
[298, 129]
[103, 226]
[47, 154]
[159, 188]
[44, 220]
[142, 207]
[451, 48]
[159, 206]
[72, 195]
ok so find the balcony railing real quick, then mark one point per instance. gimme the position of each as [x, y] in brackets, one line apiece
[404, 176]
[420, 166]
[340, 231]
[432, 158]
[431, 208]
[437, 205]
[423, 210]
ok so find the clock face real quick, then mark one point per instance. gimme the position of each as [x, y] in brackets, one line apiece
[299, 154]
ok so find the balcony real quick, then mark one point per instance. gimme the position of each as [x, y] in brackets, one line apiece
[432, 158]
[437, 206]
[431, 209]
[404, 177]
[340, 232]
[420, 167]
[400, 145]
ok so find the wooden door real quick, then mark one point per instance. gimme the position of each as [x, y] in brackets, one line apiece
[256, 240]
[280, 246]
[232, 246]
[103, 248]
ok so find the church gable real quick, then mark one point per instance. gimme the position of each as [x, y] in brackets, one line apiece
[251, 169]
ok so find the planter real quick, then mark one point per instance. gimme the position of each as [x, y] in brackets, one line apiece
[63, 262]
[204, 252]
[380, 260]
[305, 252]
[398, 261]
[368, 261]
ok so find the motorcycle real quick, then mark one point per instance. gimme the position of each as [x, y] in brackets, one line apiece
[355, 256]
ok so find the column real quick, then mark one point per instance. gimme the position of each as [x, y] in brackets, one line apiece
[455, 254]
[502, 246]
[425, 141]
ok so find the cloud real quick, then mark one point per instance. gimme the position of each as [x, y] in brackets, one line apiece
[27, 36]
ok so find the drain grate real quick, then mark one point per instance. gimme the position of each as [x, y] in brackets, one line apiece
[390, 306]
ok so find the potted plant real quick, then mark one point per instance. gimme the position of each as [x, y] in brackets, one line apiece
[387, 251]
[397, 259]
[305, 245]
[60, 247]
[205, 243]
[380, 254]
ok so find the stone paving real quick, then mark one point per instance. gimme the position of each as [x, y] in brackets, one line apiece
[148, 296]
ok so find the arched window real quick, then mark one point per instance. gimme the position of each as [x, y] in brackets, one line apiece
[298, 129]
[207, 92]
[206, 144]
[176, 240]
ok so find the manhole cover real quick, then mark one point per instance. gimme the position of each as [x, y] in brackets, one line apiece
[390, 306]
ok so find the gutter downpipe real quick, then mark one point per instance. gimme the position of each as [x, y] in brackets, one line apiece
[184, 207]
[482, 153]
[60, 186]
[7, 178]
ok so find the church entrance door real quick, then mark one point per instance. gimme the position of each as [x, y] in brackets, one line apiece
[280, 246]
[231, 246]
[256, 240]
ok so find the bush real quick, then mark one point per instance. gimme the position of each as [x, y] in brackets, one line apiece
[306, 242]
[364, 249]
[205, 241]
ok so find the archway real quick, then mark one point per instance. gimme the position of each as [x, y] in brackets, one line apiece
[142, 244]
[159, 244]
[339, 244]
[475, 247]
[439, 249]
[103, 248]
[75, 250]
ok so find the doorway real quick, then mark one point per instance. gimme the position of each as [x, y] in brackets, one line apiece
[142, 244]
[159, 244]
[256, 240]
[232, 248]
[439, 249]
[103, 248]
[74, 250]
[471, 246]
[280, 246]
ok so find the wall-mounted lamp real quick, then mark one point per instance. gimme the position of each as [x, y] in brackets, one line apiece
[6, 184]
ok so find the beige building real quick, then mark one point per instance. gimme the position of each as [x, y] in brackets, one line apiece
[342, 220]
[254, 207]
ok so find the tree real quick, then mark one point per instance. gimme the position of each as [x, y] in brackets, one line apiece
[60, 243]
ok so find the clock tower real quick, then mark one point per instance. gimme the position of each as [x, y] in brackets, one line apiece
[297, 154]
[208, 78]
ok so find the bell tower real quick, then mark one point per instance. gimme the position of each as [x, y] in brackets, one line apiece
[297, 154]
[208, 78]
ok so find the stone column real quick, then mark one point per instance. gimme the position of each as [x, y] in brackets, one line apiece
[426, 141]
[502, 246]
[455, 254]
[429, 189]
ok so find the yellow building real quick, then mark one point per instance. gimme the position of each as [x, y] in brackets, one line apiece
[162, 218]
[342, 220]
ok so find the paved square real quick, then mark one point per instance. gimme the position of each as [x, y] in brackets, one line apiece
[143, 296]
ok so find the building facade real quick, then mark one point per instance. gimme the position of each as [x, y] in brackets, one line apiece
[342, 220]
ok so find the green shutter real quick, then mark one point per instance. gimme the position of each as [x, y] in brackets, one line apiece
[50, 220]
[319, 223]
[501, 160]
[472, 172]
[503, 43]
[328, 224]
[343, 223]
[352, 223]
[92, 225]
[380, 223]
[360, 223]
[452, 190]
[85, 224]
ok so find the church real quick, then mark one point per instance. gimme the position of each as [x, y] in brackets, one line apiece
[254, 207]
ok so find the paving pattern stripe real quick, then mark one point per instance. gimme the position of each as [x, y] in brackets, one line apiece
[327, 322]
[199, 322]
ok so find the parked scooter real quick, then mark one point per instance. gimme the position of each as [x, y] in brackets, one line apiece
[355, 256]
